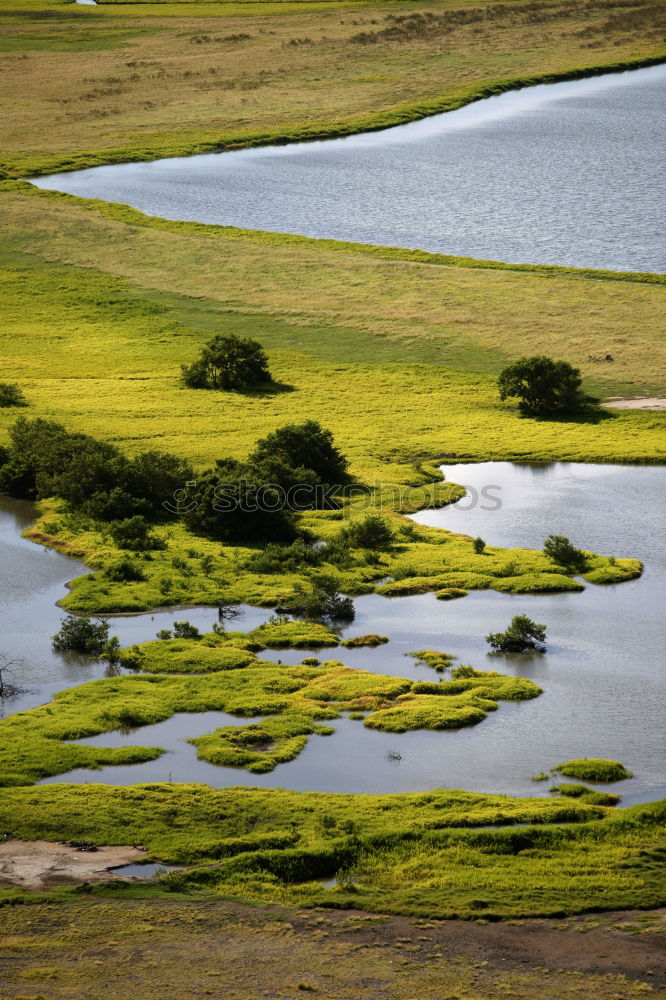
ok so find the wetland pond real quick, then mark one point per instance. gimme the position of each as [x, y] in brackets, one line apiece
[568, 173]
[603, 677]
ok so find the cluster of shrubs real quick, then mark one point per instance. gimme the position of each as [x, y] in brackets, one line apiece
[373, 534]
[45, 460]
[298, 467]
[11, 394]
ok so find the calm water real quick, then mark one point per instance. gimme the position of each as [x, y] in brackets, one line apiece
[569, 173]
[604, 676]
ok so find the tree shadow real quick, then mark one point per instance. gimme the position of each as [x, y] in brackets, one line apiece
[266, 389]
[589, 415]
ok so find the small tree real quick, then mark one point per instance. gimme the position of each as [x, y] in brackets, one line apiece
[7, 672]
[228, 363]
[560, 550]
[371, 533]
[323, 601]
[543, 387]
[185, 630]
[81, 635]
[11, 395]
[479, 546]
[522, 635]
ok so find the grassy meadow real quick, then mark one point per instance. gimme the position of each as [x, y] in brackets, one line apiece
[127, 81]
[397, 352]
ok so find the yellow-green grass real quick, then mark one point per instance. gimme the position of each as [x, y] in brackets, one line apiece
[427, 560]
[134, 81]
[184, 823]
[326, 302]
[451, 704]
[35, 743]
[419, 854]
[489, 874]
[594, 769]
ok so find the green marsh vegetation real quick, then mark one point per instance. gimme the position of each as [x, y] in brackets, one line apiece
[594, 769]
[221, 671]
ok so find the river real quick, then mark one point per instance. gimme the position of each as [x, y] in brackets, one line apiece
[569, 173]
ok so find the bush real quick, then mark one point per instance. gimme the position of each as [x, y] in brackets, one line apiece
[522, 635]
[11, 395]
[543, 387]
[561, 551]
[184, 630]
[124, 571]
[46, 460]
[134, 533]
[276, 558]
[322, 601]
[479, 545]
[228, 363]
[81, 635]
[306, 446]
[371, 533]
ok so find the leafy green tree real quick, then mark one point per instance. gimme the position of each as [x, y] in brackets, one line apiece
[305, 446]
[228, 363]
[522, 635]
[154, 476]
[322, 601]
[560, 550]
[479, 546]
[543, 387]
[81, 635]
[185, 630]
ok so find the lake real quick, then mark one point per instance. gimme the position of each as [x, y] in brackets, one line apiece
[604, 675]
[569, 173]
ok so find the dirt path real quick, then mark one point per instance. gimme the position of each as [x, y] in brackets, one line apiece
[641, 403]
[165, 949]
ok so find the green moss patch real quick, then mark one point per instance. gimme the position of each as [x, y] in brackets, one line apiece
[282, 634]
[464, 701]
[432, 658]
[259, 747]
[185, 656]
[594, 769]
[450, 593]
[370, 640]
